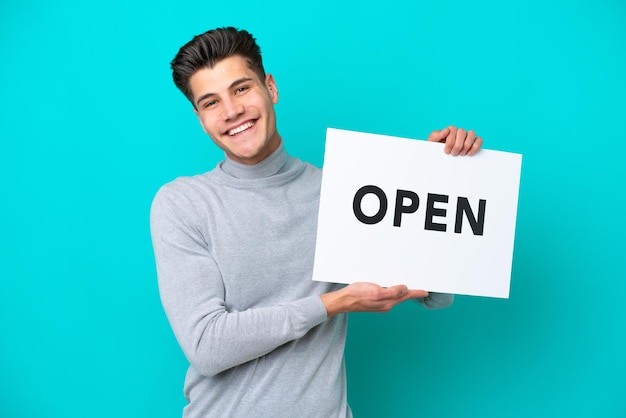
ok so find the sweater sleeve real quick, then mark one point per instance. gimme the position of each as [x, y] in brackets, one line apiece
[193, 297]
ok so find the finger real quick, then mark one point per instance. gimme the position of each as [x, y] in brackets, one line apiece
[393, 292]
[469, 141]
[417, 294]
[450, 140]
[478, 142]
[438, 136]
[459, 140]
[401, 293]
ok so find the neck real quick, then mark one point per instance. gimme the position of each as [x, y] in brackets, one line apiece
[269, 166]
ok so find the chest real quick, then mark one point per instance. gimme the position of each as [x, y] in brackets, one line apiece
[263, 242]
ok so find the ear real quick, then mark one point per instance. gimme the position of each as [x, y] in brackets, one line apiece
[270, 84]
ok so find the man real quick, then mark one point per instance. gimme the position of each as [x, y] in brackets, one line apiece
[234, 249]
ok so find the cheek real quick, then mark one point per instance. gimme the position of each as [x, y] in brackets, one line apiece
[206, 124]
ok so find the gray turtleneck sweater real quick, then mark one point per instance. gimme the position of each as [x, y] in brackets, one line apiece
[234, 250]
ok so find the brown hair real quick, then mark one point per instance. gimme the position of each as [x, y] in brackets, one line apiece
[207, 49]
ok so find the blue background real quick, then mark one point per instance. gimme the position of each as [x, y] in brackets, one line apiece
[91, 125]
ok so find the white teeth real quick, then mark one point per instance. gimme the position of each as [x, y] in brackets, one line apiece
[240, 128]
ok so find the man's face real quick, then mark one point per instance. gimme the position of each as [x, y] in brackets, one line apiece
[236, 109]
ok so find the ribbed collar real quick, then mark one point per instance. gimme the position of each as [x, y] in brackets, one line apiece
[272, 165]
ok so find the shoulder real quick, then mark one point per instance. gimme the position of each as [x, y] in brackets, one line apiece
[176, 189]
[188, 187]
[183, 194]
[311, 171]
[307, 178]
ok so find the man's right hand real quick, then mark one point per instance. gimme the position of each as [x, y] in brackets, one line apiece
[368, 297]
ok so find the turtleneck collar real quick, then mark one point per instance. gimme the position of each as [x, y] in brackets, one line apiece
[272, 165]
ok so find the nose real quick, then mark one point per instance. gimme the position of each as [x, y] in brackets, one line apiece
[231, 109]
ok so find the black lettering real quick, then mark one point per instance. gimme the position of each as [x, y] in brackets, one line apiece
[356, 205]
[462, 205]
[432, 211]
[400, 208]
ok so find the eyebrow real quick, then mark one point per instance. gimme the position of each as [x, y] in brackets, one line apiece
[232, 85]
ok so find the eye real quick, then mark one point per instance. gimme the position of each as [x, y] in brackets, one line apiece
[209, 103]
[241, 89]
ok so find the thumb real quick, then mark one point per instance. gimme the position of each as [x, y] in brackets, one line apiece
[418, 294]
[438, 136]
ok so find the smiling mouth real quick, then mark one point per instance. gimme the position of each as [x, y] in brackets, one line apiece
[241, 128]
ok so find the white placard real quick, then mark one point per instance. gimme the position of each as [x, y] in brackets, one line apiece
[449, 222]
